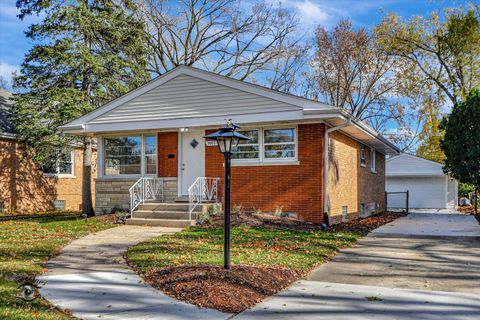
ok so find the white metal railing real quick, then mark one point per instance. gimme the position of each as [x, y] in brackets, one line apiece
[146, 188]
[204, 189]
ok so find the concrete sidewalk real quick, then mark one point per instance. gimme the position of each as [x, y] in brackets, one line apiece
[423, 266]
[90, 277]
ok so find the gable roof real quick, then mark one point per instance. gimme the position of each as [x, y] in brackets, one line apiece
[405, 165]
[183, 93]
[190, 97]
[6, 128]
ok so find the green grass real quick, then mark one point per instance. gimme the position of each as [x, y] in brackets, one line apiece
[24, 245]
[297, 250]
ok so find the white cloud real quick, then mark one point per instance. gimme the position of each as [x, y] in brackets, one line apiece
[6, 71]
[309, 12]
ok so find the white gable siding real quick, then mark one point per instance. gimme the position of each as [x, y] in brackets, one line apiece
[406, 165]
[189, 97]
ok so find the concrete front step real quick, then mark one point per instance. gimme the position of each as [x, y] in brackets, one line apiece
[160, 222]
[165, 206]
[156, 214]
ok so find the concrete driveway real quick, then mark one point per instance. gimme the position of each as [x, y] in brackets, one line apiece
[423, 266]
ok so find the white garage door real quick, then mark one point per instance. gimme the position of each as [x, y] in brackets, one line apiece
[424, 192]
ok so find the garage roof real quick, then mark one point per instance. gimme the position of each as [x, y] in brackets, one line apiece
[407, 165]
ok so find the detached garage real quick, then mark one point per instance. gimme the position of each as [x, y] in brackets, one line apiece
[428, 186]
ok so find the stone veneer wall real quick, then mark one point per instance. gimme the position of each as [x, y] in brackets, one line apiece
[114, 193]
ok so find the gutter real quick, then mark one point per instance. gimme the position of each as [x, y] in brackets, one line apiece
[326, 218]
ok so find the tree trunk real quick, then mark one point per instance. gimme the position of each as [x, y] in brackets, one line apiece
[87, 207]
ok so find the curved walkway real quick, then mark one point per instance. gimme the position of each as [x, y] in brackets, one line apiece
[91, 279]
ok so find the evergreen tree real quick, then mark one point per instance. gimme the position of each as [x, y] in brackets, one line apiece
[461, 143]
[87, 53]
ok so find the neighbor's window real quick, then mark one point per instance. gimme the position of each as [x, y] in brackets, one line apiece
[344, 213]
[62, 165]
[267, 145]
[363, 158]
[123, 155]
[279, 143]
[247, 149]
[150, 154]
[373, 161]
[59, 204]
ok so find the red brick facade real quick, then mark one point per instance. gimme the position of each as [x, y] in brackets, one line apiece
[25, 189]
[295, 187]
[167, 154]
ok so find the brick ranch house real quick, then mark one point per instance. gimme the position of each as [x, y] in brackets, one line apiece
[151, 148]
[26, 189]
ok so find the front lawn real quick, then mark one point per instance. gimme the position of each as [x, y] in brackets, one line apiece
[24, 246]
[265, 260]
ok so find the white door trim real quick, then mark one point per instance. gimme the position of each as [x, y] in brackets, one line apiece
[182, 157]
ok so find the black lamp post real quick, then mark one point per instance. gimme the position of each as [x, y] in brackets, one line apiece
[227, 139]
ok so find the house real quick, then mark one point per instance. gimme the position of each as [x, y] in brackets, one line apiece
[428, 186]
[151, 147]
[26, 189]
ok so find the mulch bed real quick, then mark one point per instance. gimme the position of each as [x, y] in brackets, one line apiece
[233, 290]
[470, 210]
[262, 220]
[242, 287]
[362, 225]
[365, 225]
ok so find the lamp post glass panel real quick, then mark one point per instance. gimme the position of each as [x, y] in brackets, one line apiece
[227, 140]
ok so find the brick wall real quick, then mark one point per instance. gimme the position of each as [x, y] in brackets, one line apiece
[350, 184]
[343, 173]
[372, 185]
[25, 189]
[167, 154]
[296, 188]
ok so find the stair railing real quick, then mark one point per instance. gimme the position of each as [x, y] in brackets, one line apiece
[146, 188]
[204, 189]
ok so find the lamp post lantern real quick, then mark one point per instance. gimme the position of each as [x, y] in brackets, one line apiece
[227, 140]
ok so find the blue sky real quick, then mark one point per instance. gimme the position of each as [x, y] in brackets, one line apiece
[14, 44]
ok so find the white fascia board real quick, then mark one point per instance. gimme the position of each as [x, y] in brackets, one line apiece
[241, 119]
[414, 174]
[6, 135]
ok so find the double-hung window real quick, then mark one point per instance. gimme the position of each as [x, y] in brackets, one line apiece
[373, 161]
[267, 145]
[248, 149]
[363, 157]
[279, 144]
[130, 155]
[62, 165]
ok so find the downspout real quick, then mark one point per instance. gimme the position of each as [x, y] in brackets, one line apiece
[326, 219]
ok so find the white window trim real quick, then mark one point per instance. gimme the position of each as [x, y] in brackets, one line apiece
[373, 160]
[64, 175]
[261, 148]
[364, 149]
[143, 167]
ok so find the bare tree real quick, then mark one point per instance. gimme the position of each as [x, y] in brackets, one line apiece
[352, 72]
[224, 37]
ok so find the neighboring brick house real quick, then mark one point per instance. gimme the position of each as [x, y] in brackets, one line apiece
[26, 189]
[151, 141]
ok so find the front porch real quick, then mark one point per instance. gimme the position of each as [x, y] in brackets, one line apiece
[155, 175]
